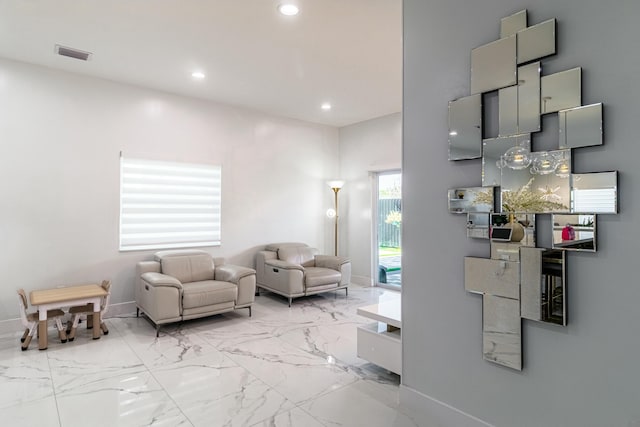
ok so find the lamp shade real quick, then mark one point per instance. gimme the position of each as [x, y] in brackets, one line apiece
[335, 183]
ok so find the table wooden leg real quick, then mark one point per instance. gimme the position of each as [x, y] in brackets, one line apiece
[42, 335]
[96, 325]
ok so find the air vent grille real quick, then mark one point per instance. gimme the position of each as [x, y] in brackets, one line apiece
[72, 53]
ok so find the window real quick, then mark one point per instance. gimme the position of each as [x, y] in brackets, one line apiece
[168, 205]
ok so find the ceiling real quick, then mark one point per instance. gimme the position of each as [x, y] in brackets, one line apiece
[345, 52]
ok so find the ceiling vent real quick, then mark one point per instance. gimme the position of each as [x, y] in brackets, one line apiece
[73, 53]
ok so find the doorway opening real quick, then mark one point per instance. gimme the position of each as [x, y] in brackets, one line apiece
[388, 229]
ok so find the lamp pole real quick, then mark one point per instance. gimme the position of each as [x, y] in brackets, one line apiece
[335, 185]
[335, 228]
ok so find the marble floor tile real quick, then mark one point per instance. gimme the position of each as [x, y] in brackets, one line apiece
[42, 412]
[77, 365]
[350, 406]
[296, 374]
[24, 376]
[214, 391]
[125, 400]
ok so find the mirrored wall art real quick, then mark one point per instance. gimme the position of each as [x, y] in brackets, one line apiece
[543, 281]
[471, 199]
[521, 280]
[465, 128]
[493, 66]
[561, 90]
[512, 24]
[575, 232]
[537, 41]
[594, 192]
[580, 126]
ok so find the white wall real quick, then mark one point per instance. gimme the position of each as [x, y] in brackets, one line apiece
[61, 136]
[373, 145]
[583, 375]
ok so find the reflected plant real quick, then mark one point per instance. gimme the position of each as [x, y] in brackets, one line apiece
[524, 199]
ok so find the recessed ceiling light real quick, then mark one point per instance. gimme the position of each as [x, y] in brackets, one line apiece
[288, 9]
[326, 106]
[198, 75]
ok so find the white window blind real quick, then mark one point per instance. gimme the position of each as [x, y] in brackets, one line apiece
[594, 200]
[168, 205]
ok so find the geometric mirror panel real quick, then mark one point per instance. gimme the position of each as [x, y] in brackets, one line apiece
[540, 188]
[465, 128]
[508, 111]
[493, 66]
[463, 200]
[529, 98]
[492, 151]
[580, 126]
[502, 331]
[574, 232]
[512, 24]
[543, 285]
[561, 90]
[520, 183]
[537, 41]
[594, 192]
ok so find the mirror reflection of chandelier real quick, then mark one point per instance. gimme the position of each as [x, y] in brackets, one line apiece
[540, 163]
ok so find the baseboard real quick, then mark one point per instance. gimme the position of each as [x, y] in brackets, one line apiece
[115, 310]
[427, 411]
[361, 280]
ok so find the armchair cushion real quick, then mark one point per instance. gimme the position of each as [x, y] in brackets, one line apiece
[189, 268]
[208, 292]
[316, 276]
[302, 255]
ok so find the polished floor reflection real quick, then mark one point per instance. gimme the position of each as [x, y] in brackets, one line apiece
[282, 367]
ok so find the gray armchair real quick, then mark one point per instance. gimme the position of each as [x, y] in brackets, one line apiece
[295, 269]
[188, 284]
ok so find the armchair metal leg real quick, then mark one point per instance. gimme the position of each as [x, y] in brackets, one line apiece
[157, 331]
[346, 292]
[137, 311]
[290, 301]
[249, 311]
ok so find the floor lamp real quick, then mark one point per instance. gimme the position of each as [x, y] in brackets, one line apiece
[335, 185]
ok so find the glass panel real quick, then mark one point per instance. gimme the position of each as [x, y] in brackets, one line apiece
[581, 126]
[465, 128]
[478, 225]
[389, 246]
[574, 232]
[537, 41]
[493, 66]
[561, 90]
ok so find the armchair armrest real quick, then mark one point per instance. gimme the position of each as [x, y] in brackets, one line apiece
[232, 273]
[333, 262]
[277, 263]
[161, 280]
